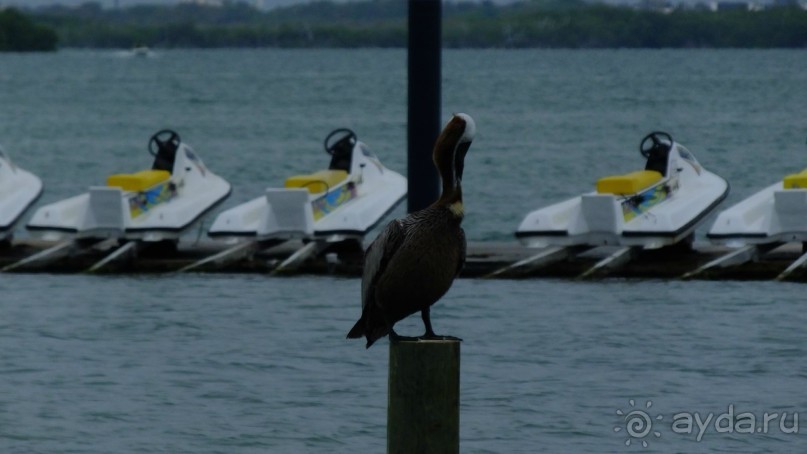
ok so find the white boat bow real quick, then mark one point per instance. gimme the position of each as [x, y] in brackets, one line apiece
[651, 208]
[151, 205]
[19, 190]
[344, 201]
[775, 214]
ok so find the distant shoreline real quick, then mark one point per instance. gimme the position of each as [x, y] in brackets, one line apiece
[569, 24]
[18, 33]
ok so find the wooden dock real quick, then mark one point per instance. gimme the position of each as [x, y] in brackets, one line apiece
[345, 259]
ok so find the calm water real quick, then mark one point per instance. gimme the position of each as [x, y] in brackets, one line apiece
[241, 363]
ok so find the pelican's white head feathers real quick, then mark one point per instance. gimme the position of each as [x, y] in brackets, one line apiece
[470, 127]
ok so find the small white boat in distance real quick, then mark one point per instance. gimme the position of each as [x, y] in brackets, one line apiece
[151, 205]
[342, 202]
[140, 51]
[19, 190]
[776, 214]
[651, 208]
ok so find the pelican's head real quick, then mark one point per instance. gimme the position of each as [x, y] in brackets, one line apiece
[451, 147]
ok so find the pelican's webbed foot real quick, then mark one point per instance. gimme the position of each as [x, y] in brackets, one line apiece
[432, 336]
[428, 336]
[395, 337]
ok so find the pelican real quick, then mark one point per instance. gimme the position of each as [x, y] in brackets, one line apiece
[413, 262]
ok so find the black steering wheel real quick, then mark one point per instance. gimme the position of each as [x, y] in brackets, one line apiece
[656, 140]
[342, 139]
[162, 139]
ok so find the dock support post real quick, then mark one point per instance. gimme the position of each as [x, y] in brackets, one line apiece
[229, 255]
[748, 253]
[50, 254]
[423, 118]
[127, 250]
[297, 258]
[613, 261]
[423, 413]
[800, 263]
[546, 257]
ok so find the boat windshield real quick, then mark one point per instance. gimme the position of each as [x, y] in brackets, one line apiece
[366, 151]
[686, 154]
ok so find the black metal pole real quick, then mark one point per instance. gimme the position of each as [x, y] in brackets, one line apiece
[423, 119]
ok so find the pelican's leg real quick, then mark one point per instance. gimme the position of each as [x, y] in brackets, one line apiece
[424, 314]
[427, 321]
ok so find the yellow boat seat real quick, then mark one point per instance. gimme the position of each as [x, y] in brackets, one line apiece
[630, 183]
[316, 182]
[138, 181]
[796, 180]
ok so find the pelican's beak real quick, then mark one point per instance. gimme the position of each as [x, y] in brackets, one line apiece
[463, 144]
[459, 158]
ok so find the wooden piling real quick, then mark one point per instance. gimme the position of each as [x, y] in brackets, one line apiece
[423, 413]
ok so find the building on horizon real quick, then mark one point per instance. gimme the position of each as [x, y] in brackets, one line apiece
[216, 3]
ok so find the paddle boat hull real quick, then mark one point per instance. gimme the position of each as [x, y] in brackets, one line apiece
[141, 51]
[152, 205]
[776, 214]
[343, 202]
[656, 207]
[19, 190]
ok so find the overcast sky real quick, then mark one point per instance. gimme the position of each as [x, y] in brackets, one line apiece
[266, 3]
[124, 3]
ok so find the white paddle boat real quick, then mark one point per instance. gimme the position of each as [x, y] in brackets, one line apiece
[340, 204]
[344, 201]
[651, 208]
[776, 214]
[647, 209]
[19, 190]
[151, 205]
[767, 219]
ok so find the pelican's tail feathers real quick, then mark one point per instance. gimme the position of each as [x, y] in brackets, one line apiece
[375, 333]
[358, 329]
[372, 329]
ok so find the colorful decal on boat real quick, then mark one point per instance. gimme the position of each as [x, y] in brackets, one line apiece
[333, 200]
[142, 202]
[640, 203]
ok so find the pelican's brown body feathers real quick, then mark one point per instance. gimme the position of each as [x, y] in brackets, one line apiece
[414, 260]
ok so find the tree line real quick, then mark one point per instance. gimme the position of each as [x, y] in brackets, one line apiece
[19, 34]
[383, 23]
